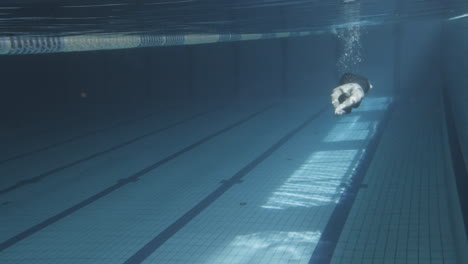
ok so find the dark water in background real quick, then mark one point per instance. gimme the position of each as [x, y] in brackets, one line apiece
[70, 17]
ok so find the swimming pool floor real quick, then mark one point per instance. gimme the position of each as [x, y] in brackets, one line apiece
[239, 183]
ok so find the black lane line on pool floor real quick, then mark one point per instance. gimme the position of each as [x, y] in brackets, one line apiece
[71, 139]
[171, 230]
[43, 175]
[326, 245]
[121, 183]
[458, 160]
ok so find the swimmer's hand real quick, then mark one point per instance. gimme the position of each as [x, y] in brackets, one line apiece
[335, 103]
[339, 111]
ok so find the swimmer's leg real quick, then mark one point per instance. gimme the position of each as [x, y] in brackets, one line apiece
[336, 95]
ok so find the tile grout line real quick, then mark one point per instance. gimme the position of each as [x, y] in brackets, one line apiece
[457, 158]
[74, 138]
[43, 175]
[151, 246]
[120, 183]
[325, 248]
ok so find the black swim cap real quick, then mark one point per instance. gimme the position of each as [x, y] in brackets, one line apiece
[355, 78]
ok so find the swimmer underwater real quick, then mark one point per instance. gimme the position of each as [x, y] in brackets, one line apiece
[351, 89]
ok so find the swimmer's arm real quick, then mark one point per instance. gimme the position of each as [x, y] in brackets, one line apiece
[336, 93]
[356, 96]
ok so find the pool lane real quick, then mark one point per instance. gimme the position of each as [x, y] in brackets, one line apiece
[38, 204]
[233, 141]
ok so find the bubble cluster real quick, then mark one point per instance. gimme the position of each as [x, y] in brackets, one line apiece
[350, 54]
[349, 36]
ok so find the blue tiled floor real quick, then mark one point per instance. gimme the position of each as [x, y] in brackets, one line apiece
[274, 212]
